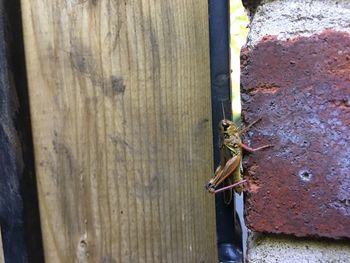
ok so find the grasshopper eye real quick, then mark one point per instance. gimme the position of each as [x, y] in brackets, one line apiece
[225, 124]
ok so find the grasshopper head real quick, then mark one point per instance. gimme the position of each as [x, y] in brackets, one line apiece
[227, 125]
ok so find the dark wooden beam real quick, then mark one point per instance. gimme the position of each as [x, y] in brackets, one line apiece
[19, 216]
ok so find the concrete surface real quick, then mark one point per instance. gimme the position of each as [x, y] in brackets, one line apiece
[286, 19]
[281, 249]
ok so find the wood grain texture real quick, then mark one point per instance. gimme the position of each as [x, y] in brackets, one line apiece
[121, 117]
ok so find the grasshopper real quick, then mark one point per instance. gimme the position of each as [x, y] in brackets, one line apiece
[229, 169]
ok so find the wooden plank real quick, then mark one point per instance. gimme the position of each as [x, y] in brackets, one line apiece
[2, 260]
[121, 117]
[19, 209]
[12, 221]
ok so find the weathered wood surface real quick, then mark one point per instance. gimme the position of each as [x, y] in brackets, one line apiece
[121, 116]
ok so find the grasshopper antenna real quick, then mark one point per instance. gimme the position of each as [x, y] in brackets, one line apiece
[223, 110]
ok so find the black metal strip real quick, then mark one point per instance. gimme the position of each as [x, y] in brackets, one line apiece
[229, 236]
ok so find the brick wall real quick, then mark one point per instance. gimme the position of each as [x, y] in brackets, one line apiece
[295, 76]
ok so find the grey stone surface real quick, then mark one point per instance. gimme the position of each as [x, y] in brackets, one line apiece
[286, 19]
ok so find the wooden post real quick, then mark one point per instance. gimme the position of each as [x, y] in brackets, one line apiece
[1, 249]
[120, 108]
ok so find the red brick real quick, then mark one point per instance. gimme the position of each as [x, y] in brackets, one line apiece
[301, 90]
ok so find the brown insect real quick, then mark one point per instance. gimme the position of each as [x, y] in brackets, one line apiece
[229, 170]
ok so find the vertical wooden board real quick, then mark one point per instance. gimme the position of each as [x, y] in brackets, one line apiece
[121, 117]
[2, 260]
